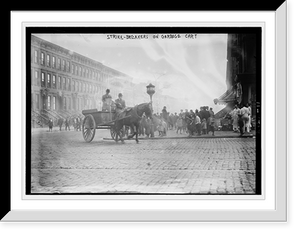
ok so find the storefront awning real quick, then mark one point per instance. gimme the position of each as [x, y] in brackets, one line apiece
[227, 97]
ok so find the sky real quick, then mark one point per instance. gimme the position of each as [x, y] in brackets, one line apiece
[191, 67]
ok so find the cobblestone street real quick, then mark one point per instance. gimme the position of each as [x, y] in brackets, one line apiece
[62, 162]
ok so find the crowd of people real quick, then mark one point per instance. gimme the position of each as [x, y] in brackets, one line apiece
[202, 122]
[241, 118]
[198, 122]
[66, 123]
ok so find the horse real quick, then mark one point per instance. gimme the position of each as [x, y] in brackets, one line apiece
[131, 117]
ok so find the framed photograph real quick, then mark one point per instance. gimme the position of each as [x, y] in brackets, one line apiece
[130, 117]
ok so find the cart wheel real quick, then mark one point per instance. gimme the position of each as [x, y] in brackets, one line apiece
[113, 133]
[88, 128]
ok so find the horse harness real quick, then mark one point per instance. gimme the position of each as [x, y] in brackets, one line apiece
[135, 114]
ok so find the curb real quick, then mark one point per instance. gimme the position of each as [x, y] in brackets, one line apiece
[192, 137]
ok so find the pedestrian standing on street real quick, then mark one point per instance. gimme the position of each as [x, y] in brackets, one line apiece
[165, 114]
[160, 128]
[245, 117]
[248, 124]
[175, 120]
[79, 123]
[235, 117]
[179, 125]
[211, 112]
[184, 122]
[204, 126]
[198, 124]
[240, 121]
[75, 124]
[148, 127]
[211, 124]
[50, 124]
[60, 123]
[67, 124]
[181, 113]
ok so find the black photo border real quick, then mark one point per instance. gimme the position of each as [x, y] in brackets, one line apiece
[257, 31]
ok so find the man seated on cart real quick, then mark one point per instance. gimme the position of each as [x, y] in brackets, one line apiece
[120, 104]
[106, 99]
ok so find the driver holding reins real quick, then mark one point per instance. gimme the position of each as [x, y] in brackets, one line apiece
[120, 103]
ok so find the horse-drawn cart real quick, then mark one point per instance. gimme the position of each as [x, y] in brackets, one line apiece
[119, 125]
[95, 119]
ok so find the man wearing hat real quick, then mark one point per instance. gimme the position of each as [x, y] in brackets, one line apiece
[106, 99]
[165, 114]
[120, 103]
[120, 106]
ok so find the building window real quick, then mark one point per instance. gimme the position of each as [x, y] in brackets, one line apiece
[58, 63]
[43, 84]
[64, 83]
[65, 103]
[76, 86]
[49, 102]
[48, 60]
[48, 80]
[63, 65]
[80, 71]
[68, 84]
[54, 103]
[35, 56]
[54, 81]
[73, 72]
[53, 62]
[69, 103]
[76, 70]
[43, 58]
[36, 77]
[73, 86]
[59, 82]
[68, 66]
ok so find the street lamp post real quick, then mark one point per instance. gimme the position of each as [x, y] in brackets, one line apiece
[151, 91]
